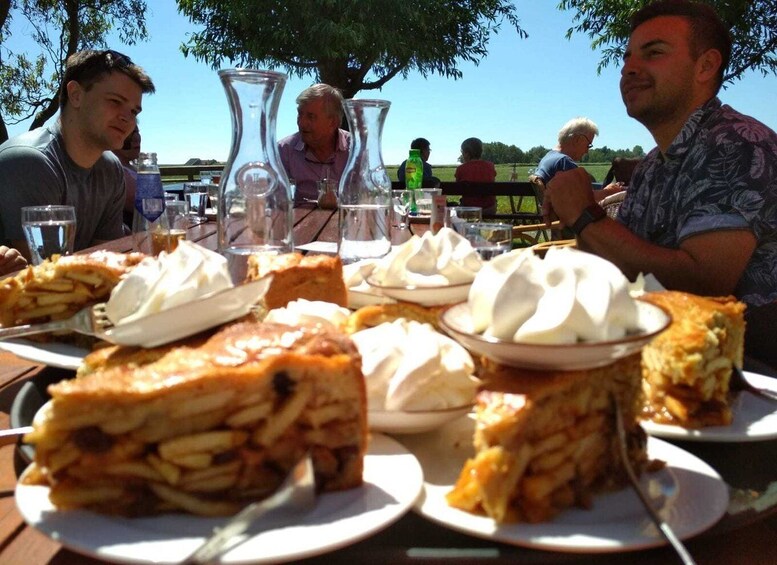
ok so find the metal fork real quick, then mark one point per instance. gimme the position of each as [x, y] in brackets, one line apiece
[740, 383]
[295, 496]
[90, 320]
[662, 526]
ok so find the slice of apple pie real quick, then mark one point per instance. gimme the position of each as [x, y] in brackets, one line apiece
[59, 287]
[687, 368]
[546, 441]
[205, 426]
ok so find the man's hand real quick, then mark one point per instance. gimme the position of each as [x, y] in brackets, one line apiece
[11, 260]
[566, 196]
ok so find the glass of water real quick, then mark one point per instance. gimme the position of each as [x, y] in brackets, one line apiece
[489, 239]
[49, 230]
[196, 195]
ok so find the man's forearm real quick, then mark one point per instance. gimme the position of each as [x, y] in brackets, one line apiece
[675, 268]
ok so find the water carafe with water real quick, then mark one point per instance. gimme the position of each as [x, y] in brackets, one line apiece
[365, 188]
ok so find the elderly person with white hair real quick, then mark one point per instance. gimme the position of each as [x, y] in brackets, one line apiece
[574, 141]
[319, 150]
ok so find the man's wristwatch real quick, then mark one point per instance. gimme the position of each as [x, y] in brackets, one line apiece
[591, 214]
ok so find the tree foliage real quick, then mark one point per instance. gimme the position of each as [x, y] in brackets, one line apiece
[59, 28]
[753, 25]
[501, 153]
[351, 44]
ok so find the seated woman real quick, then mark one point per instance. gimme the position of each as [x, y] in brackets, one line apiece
[474, 169]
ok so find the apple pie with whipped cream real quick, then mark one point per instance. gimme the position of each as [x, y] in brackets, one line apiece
[205, 426]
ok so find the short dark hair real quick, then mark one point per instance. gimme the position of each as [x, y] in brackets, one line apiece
[708, 31]
[420, 143]
[473, 147]
[89, 67]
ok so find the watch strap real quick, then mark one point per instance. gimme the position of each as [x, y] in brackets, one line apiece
[592, 213]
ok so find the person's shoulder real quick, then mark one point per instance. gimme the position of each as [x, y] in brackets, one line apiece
[735, 125]
[30, 145]
[289, 140]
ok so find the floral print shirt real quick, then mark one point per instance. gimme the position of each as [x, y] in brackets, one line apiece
[720, 173]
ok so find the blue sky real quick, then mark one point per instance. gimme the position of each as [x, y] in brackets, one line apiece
[521, 94]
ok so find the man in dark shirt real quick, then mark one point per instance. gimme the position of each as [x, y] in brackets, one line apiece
[701, 209]
[69, 162]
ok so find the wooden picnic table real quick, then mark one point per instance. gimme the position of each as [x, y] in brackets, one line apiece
[749, 468]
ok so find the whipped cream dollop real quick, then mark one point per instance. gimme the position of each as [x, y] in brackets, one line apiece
[309, 312]
[567, 297]
[434, 375]
[162, 282]
[445, 258]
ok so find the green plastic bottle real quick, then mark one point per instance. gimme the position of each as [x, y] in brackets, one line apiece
[414, 176]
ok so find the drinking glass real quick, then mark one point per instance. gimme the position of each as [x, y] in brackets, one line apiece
[196, 195]
[425, 202]
[49, 230]
[213, 197]
[172, 227]
[460, 216]
[401, 201]
[489, 239]
[327, 194]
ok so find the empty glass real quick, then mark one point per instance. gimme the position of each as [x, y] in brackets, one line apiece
[196, 195]
[489, 239]
[460, 216]
[172, 227]
[401, 201]
[49, 230]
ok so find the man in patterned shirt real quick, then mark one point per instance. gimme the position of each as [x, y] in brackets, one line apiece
[701, 209]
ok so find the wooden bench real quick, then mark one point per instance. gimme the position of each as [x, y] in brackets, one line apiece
[515, 191]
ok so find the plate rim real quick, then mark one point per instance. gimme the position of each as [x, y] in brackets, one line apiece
[413, 287]
[718, 434]
[33, 351]
[655, 447]
[548, 346]
[379, 447]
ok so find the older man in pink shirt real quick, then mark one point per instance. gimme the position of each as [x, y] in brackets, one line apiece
[320, 148]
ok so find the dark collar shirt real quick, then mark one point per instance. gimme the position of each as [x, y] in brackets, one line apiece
[720, 173]
[306, 170]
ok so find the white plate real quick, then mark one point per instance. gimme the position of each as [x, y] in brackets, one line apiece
[392, 482]
[413, 422]
[688, 493]
[364, 295]
[755, 419]
[54, 354]
[424, 295]
[190, 318]
[457, 321]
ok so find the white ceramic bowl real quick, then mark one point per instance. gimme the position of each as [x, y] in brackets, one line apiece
[424, 295]
[457, 322]
[412, 422]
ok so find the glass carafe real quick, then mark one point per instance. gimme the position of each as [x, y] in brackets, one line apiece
[365, 187]
[255, 212]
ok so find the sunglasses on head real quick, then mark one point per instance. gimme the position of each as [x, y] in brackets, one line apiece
[113, 59]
